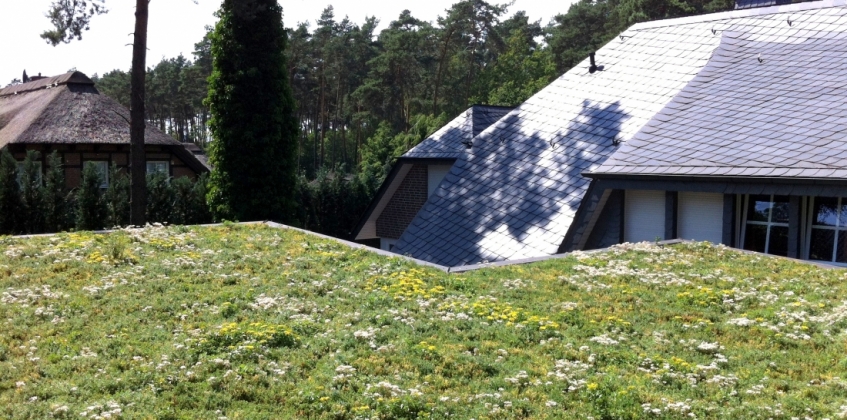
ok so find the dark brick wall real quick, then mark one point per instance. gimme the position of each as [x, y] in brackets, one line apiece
[607, 230]
[404, 205]
[75, 155]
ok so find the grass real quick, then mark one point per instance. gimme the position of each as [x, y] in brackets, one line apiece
[250, 322]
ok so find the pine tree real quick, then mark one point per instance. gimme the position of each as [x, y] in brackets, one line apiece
[117, 198]
[253, 123]
[55, 195]
[91, 208]
[10, 194]
[32, 198]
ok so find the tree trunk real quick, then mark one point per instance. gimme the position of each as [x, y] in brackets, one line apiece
[138, 189]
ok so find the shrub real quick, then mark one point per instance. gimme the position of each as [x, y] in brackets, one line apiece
[117, 198]
[160, 198]
[32, 195]
[190, 201]
[333, 203]
[55, 196]
[90, 206]
[10, 194]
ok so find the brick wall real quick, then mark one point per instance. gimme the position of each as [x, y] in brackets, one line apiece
[404, 204]
[74, 157]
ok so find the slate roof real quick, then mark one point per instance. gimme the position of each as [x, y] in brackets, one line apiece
[766, 105]
[515, 194]
[447, 142]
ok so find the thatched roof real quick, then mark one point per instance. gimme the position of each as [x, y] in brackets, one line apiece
[66, 109]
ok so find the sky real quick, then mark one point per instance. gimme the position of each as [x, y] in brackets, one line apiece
[175, 26]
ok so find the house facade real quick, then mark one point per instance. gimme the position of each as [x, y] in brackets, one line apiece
[753, 152]
[68, 115]
[726, 127]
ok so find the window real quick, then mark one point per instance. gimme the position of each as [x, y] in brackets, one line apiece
[157, 167]
[103, 169]
[766, 224]
[21, 172]
[827, 232]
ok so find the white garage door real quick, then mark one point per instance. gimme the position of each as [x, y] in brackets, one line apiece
[700, 216]
[645, 215]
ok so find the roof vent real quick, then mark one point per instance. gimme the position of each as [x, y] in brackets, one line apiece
[594, 67]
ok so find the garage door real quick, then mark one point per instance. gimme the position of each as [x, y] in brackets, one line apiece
[700, 216]
[644, 215]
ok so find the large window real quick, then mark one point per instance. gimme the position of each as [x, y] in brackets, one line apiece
[158, 167]
[766, 224]
[103, 169]
[827, 229]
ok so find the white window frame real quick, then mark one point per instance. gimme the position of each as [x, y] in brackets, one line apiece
[155, 166]
[769, 224]
[809, 225]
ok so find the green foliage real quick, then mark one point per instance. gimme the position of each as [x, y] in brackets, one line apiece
[90, 206]
[161, 198]
[520, 72]
[117, 198]
[379, 153]
[332, 203]
[253, 121]
[10, 194]
[32, 193]
[190, 201]
[56, 196]
[381, 150]
[70, 19]
[261, 323]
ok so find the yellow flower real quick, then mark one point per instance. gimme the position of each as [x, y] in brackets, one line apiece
[592, 386]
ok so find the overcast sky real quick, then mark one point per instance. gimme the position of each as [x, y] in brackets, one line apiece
[175, 26]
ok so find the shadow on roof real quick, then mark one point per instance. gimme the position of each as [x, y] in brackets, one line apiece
[503, 201]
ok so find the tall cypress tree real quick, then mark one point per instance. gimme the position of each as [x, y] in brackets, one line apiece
[253, 124]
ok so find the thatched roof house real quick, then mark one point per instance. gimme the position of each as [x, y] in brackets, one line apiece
[66, 113]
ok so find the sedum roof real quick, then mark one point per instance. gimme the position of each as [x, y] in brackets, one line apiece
[515, 193]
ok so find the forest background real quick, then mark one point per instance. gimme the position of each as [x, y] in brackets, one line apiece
[363, 98]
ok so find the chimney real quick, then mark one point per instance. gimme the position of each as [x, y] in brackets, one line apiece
[39, 77]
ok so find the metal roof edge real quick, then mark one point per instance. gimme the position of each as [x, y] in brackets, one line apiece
[735, 14]
[615, 176]
[360, 246]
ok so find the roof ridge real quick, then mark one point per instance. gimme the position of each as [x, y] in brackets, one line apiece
[737, 14]
[71, 77]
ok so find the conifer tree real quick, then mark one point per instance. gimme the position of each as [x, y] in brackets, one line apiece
[117, 198]
[32, 199]
[55, 195]
[91, 208]
[253, 125]
[10, 194]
